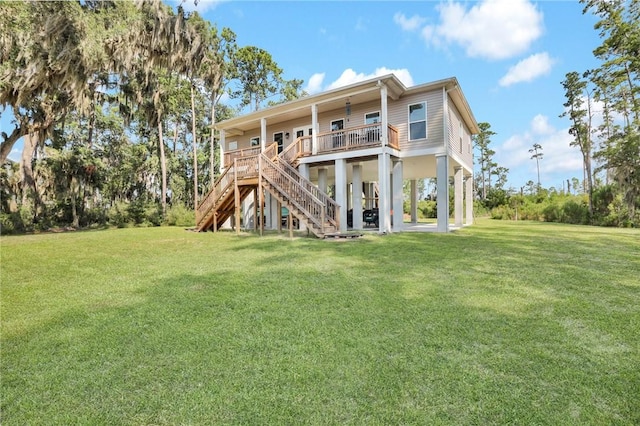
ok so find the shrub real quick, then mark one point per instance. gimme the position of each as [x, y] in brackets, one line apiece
[503, 213]
[179, 215]
[427, 209]
[575, 212]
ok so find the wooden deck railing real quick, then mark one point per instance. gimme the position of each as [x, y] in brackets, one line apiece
[317, 206]
[221, 185]
[366, 136]
[232, 155]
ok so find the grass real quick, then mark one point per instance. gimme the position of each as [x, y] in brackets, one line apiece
[503, 322]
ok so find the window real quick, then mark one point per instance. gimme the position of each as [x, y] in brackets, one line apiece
[233, 145]
[461, 134]
[255, 141]
[372, 118]
[337, 138]
[279, 138]
[418, 121]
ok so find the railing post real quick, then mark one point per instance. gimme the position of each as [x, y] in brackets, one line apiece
[236, 195]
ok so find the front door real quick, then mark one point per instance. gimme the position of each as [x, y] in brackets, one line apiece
[279, 138]
[301, 132]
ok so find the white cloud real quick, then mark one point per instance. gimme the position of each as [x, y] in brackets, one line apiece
[559, 161]
[349, 76]
[315, 83]
[491, 29]
[540, 125]
[408, 24]
[528, 69]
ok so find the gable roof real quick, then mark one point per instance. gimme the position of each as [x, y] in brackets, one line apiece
[360, 92]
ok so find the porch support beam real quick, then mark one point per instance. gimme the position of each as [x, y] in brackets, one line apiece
[263, 134]
[314, 126]
[383, 198]
[322, 179]
[341, 191]
[384, 112]
[442, 177]
[414, 201]
[468, 186]
[457, 196]
[356, 191]
[304, 171]
[398, 196]
[223, 140]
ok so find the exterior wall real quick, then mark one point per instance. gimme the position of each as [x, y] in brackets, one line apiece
[399, 117]
[398, 114]
[459, 142]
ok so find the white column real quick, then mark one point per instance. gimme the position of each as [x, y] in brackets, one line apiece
[304, 171]
[356, 185]
[263, 134]
[414, 201]
[275, 214]
[384, 122]
[383, 200]
[314, 126]
[341, 191]
[398, 196]
[468, 186]
[223, 141]
[442, 176]
[322, 179]
[457, 196]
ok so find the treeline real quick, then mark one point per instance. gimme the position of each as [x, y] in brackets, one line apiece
[115, 103]
[609, 143]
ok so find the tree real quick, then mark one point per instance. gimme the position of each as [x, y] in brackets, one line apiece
[536, 150]
[481, 142]
[580, 116]
[616, 81]
[258, 76]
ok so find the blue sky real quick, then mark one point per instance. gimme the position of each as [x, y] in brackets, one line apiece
[509, 56]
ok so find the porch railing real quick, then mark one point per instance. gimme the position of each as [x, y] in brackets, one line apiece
[369, 135]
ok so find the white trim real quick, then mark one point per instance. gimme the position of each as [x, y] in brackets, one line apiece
[333, 121]
[373, 112]
[426, 116]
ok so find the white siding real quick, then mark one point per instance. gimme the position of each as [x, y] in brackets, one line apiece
[399, 116]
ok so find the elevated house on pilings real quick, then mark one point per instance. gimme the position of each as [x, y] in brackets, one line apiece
[329, 157]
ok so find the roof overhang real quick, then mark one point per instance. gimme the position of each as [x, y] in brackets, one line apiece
[357, 93]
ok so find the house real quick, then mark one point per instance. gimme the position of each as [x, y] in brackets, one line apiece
[330, 156]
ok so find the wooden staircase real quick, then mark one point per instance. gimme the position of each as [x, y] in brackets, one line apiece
[269, 172]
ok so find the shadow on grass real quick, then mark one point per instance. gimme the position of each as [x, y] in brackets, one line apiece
[406, 328]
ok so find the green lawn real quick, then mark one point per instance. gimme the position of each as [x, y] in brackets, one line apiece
[502, 322]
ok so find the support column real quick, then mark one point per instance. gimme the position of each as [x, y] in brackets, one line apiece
[314, 126]
[398, 197]
[356, 189]
[468, 186]
[442, 197]
[222, 144]
[384, 205]
[263, 134]
[304, 171]
[414, 201]
[322, 179]
[457, 196]
[341, 191]
[276, 213]
[384, 122]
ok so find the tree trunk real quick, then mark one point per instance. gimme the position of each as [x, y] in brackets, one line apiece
[212, 151]
[163, 170]
[7, 144]
[73, 192]
[27, 180]
[195, 150]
